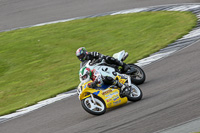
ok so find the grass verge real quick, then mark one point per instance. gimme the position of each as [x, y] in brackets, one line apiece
[39, 62]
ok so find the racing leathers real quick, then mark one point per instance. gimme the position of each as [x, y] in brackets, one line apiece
[97, 78]
[110, 60]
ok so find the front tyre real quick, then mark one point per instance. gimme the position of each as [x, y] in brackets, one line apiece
[136, 93]
[97, 108]
[139, 76]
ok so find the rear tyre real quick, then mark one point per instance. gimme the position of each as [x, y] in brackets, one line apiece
[138, 77]
[95, 109]
[136, 93]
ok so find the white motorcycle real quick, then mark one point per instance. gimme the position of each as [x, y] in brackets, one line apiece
[137, 74]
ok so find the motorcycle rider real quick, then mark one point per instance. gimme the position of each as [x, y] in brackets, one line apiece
[86, 75]
[84, 56]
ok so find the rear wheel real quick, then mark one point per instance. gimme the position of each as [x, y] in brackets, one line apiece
[136, 93]
[97, 108]
[139, 76]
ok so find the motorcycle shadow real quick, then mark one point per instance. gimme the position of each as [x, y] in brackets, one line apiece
[110, 110]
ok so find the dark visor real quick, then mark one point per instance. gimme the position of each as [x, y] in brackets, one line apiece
[84, 77]
[81, 57]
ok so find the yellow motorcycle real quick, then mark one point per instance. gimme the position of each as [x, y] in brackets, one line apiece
[96, 100]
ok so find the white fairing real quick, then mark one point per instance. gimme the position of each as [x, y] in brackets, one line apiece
[104, 70]
[119, 55]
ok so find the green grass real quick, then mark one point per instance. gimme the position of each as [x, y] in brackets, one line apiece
[39, 62]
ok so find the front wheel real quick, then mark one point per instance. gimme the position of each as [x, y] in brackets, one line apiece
[139, 76]
[136, 93]
[91, 107]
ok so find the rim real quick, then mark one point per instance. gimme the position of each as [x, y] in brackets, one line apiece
[135, 91]
[98, 107]
[138, 74]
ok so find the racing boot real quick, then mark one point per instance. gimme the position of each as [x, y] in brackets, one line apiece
[124, 89]
[125, 67]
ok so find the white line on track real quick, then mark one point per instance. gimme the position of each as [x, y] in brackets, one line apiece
[185, 127]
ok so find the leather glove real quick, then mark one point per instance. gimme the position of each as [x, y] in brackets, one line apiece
[92, 85]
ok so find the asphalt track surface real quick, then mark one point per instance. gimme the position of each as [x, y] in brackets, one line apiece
[20, 13]
[171, 91]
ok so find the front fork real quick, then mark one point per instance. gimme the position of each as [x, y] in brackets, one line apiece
[93, 98]
[129, 81]
[130, 84]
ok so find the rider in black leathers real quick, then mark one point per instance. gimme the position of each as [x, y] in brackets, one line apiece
[84, 56]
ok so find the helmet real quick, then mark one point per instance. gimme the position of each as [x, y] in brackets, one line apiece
[81, 53]
[85, 74]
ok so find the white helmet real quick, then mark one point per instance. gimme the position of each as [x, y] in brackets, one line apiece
[85, 74]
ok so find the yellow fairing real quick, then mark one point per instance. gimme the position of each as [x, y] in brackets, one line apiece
[110, 96]
[121, 79]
